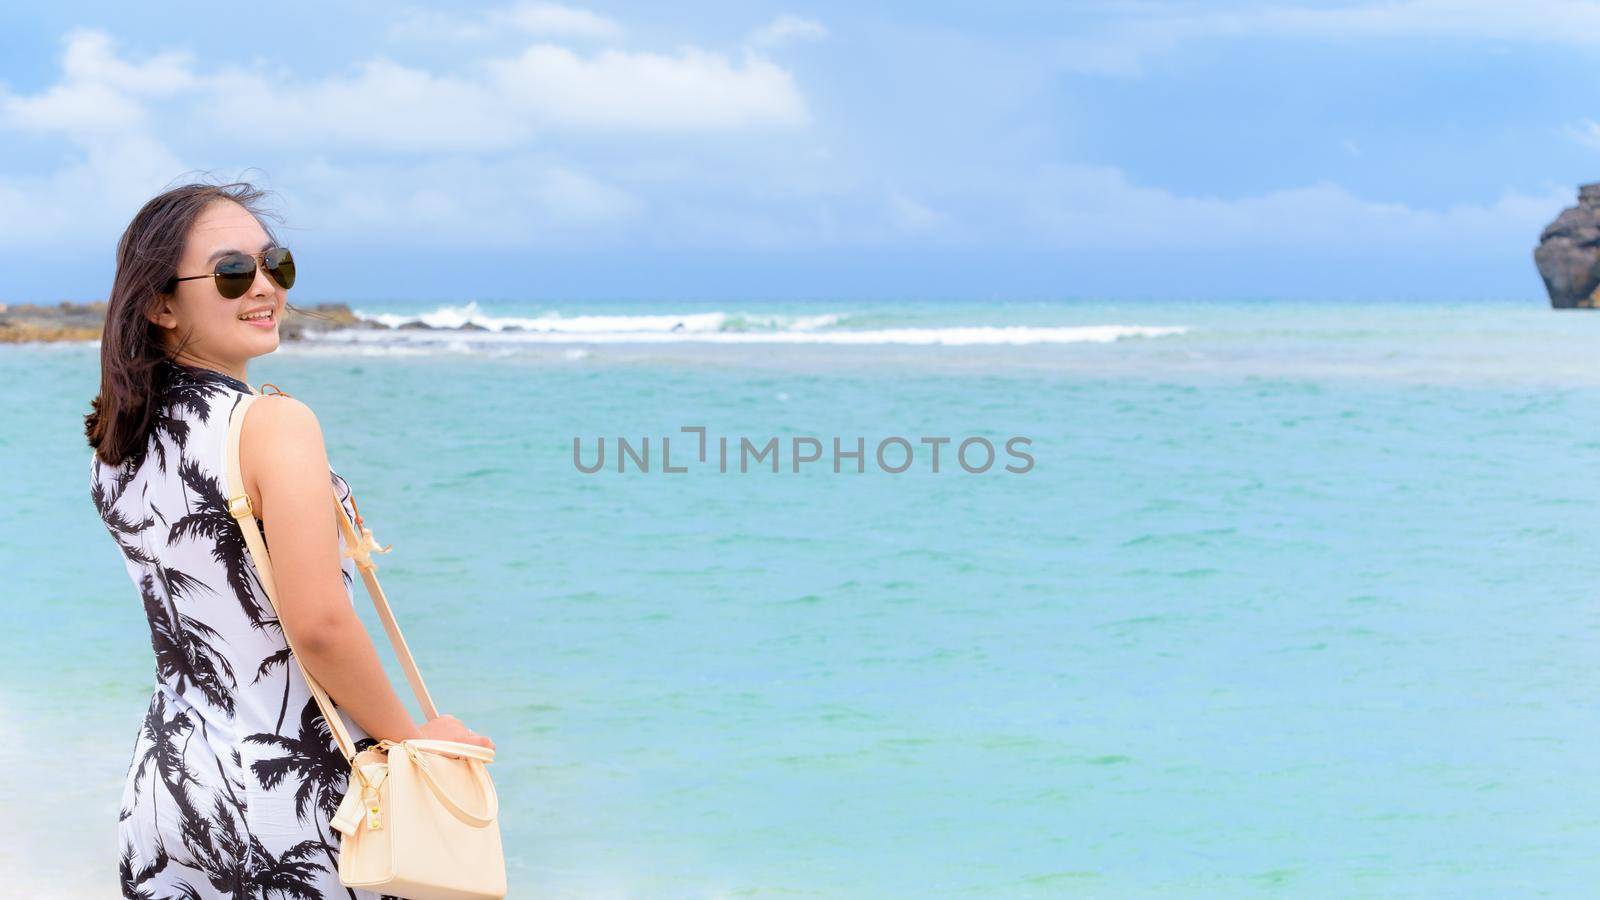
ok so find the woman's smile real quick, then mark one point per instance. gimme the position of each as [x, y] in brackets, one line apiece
[263, 317]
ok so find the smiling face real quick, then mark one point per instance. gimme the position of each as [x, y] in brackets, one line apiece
[210, 326]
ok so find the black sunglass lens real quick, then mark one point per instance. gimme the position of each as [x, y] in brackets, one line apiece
[280, 265]
[235, 275]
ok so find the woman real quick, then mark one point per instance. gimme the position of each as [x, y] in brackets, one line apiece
[235, 772]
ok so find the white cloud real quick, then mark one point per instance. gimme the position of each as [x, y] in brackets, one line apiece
[72, 108]
[1121, 47]
[547, 20]
[573, 197]
[102, 107]
[493, 104]
[384, 105]
[692, 90]
[911, 214]
[786, 28]
[506, 102]
[523, 201]
[1586, 132]
[1094, 206]
[95, 194]
[554, 20]
[467, 157]
[124, 120]
[99, 93]
[90, 58]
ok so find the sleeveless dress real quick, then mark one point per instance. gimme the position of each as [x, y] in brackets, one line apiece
[235, 772]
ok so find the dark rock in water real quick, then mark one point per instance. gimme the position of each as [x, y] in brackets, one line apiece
[1568, 255]
[472, 326]
[413, 325]
[322, 317]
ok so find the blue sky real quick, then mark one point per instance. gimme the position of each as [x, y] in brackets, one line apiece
[828, 150]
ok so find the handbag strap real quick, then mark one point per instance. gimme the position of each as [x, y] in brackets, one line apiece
[419, 752]
[359, 548]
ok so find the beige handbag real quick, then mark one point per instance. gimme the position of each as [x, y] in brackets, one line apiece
[420, 817]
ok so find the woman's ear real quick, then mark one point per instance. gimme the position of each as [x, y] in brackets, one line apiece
[163, 314]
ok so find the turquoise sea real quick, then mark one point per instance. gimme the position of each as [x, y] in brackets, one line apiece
[1297, 599]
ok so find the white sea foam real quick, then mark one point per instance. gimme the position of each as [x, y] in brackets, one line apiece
[454, 317]
[464, 326]
[1094, 334]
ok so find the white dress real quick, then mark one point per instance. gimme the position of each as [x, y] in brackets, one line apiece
[235, 772]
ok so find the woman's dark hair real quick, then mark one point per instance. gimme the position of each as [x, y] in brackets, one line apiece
[131, 350]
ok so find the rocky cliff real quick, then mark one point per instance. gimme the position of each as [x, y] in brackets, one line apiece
[1568, 255]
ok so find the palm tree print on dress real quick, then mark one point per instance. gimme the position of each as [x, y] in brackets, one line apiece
[211, 521]
[204, 854]
[228, 793]
[313, 758]
[182, 644]
[133, 880]
[187, 398]
[126, 532]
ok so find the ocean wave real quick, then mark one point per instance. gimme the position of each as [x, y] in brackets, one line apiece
[469, 315]
[978, 335]
[452, 325]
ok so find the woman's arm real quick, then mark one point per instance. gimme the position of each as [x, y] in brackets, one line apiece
[284, 465]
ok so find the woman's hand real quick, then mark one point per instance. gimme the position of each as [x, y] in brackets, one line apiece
[449, 728]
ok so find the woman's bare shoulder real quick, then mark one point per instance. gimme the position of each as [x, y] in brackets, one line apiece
[283, 425]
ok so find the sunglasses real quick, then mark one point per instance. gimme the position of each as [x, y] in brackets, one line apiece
[237, 271]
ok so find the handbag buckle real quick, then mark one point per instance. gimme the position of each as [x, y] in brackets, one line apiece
[370, 796]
